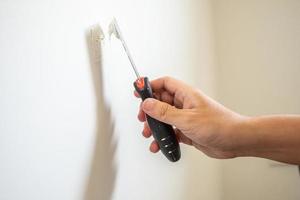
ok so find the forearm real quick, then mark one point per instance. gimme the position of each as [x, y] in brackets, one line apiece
[272, 137]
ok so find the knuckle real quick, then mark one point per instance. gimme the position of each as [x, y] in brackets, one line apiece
[167, 79]
[164, 110]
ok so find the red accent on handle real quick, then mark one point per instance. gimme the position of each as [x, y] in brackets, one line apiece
[140, 83]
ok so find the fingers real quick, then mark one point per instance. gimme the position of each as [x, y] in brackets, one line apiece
[154, 148]
[156, 95]
[163, 96]
[164, 112]
[141, 114]
[169, 92]
[166, 97]
[136, 94]
[167, 83]
[170, 85]
[146, 131]
[177, 103]
[173, 86]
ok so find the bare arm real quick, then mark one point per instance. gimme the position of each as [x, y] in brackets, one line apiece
[275, 137]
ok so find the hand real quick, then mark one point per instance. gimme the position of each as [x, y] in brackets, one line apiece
[198, 120]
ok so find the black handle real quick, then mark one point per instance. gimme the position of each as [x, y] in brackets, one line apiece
[163, 133]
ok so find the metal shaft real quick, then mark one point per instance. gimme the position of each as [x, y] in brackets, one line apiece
[119, 34]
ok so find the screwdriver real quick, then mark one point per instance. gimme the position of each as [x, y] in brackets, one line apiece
[163, 133]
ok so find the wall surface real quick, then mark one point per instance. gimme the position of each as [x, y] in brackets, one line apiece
[68, 127]
[258, 49]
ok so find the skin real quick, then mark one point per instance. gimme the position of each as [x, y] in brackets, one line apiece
[215, 130]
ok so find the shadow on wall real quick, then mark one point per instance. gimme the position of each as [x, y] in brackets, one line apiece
[102, 175]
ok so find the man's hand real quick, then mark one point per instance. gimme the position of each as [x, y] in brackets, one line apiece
[199, 120]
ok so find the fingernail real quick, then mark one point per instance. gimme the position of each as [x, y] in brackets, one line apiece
[148, 104]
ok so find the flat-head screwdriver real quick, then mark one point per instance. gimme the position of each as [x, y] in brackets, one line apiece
[163, 133]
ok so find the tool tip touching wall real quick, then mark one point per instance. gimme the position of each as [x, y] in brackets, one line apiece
[112, 29]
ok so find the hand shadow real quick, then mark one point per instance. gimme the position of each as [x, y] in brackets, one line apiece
[101, 181]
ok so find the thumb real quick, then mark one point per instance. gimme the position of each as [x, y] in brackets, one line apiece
[162, 111]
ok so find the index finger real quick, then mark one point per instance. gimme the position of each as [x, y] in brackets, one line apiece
[173, 86]
[167, 83]
[136, 94]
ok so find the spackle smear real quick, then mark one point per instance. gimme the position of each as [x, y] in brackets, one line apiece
[112, 29]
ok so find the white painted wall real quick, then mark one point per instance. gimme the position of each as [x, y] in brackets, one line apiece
[258, 48]
[67, 130]
[68, 127]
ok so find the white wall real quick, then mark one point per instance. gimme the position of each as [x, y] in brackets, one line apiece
[67, 130]
[68, 127]
[258, 48]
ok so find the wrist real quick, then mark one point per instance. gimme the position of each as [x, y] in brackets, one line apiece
[240, 139]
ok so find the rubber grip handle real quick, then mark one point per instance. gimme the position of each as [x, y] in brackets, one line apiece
[163, 133]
